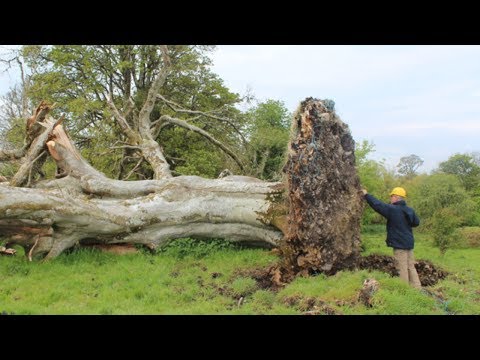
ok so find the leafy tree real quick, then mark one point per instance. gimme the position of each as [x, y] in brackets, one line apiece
[374, 176]
[369, 171]
[476, 157]
[464, 167]
[408, 165]
[444, 225]
[15, 106]
[267, 128]
[95, 86]
[12, 129]
[362, 151]
[439, 191]
[12, 125]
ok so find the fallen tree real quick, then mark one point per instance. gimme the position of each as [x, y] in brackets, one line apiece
[84, 206]
[68, 211]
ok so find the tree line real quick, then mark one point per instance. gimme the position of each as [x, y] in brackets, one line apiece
[447, 199]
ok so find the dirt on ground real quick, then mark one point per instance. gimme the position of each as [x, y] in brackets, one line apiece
[266, 278]
[429, 274]
[118, 249]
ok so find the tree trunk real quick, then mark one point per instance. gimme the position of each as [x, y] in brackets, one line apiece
[62, 214]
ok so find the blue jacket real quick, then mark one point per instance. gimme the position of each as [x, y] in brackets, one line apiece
[400, 220]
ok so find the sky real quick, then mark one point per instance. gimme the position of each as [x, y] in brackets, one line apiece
[421, 99]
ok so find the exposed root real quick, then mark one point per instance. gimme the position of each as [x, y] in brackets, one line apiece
[33, 247]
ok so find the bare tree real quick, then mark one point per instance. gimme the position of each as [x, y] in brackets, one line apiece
[14, 105]
[408, 165]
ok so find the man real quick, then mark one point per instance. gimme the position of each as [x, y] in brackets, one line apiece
[400, 220]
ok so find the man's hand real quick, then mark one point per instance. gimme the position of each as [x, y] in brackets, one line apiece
[364, 192]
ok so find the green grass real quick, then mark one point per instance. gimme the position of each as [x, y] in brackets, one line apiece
[208, 282]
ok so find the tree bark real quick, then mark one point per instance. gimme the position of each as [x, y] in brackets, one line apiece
[35, 143]
[61, 214]
[13, 154]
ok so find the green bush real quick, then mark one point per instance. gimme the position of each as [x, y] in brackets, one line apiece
[183, 247]
[243, 287]
[470, 236]
[444, 224]
[440, 191]
[373, 229]
[375, 177]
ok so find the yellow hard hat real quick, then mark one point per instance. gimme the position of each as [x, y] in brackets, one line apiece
[399, 191]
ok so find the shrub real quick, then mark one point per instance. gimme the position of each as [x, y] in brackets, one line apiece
[440, 191]
[470, 236]
[444, 224]
[183, 247]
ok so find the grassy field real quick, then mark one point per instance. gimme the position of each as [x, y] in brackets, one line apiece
[204, 279]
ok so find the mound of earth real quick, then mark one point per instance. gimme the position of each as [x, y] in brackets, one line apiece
[428, 273]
